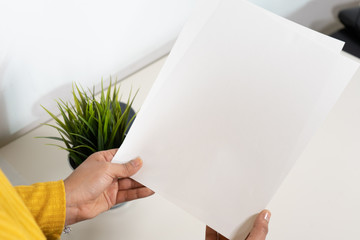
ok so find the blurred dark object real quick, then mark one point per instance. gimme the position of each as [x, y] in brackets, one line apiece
[352, 42]
[350, 19]
[351, 33]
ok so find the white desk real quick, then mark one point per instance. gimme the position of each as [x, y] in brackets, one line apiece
[318, 200]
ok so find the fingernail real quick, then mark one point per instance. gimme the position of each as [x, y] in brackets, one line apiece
[136, 162]
[267, 216]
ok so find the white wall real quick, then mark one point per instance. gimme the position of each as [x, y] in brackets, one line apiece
[46, 45]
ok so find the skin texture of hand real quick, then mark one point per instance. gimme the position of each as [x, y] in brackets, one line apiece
[97, 185]
[258, 232]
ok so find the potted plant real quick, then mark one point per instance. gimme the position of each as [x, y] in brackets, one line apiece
[89, 125]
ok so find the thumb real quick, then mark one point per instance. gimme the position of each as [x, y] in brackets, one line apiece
[126, 169]
[260, 227]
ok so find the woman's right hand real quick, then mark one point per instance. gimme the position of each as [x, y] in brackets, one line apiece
[258, 232]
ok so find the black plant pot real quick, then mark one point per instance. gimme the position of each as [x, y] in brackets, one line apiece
[131, 115]
[72, 163]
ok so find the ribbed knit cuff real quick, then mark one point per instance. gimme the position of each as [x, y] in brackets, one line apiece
[46, 202]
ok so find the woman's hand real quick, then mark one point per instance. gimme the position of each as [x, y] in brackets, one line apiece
[258, 232]
[97, 185]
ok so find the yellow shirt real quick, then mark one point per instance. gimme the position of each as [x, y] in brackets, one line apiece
[31, 212]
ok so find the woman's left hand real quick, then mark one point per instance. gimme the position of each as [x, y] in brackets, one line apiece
[97, 185]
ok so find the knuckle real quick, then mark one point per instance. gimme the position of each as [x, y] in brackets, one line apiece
[265, 229]
[127, 170]
[260, 229]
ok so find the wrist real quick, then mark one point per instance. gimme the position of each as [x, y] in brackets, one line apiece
[72, 209]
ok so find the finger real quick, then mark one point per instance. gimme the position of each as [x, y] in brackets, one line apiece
[210, 234]
[221, 237]
[260, 227]
[129, 195]
[109, 154]
[128, 183]
[127, 169]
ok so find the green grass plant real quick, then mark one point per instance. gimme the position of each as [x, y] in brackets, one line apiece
[88, 125]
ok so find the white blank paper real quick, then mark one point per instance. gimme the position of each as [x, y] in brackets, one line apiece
[233, 111]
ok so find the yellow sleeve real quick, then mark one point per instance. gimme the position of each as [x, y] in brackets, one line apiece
[16, 221]
[46, 202]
